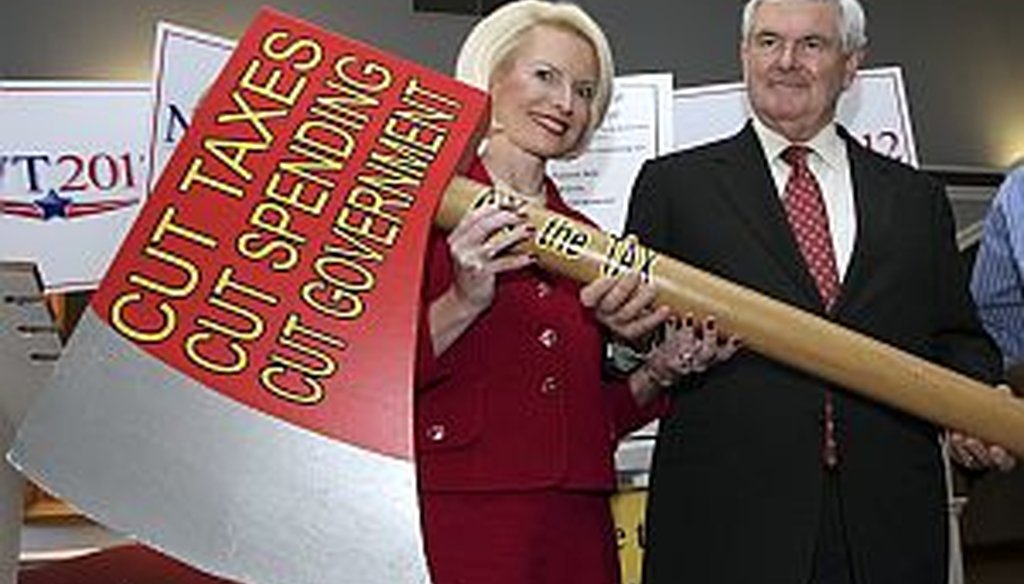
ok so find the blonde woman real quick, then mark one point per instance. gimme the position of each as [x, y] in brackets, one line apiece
[516, 424]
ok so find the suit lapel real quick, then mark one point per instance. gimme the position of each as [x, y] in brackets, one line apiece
[750, 189]
[873, 198]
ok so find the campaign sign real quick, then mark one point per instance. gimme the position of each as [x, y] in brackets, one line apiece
[239, 392]
[72, 175]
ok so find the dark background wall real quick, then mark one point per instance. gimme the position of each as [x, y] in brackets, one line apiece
[963, 59]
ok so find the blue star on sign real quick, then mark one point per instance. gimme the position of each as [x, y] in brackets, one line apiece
[53, 205]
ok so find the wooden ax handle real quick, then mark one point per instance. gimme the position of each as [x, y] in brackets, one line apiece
[772, 328]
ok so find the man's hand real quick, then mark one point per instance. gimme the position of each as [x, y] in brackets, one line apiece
[624, 305]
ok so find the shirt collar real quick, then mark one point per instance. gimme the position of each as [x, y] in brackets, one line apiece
[826, 144]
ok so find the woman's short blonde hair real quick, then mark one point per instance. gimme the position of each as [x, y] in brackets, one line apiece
[495, 37]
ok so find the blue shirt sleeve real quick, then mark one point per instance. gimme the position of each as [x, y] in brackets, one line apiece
[997, 284]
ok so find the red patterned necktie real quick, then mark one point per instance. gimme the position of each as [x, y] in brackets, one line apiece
[805, 209]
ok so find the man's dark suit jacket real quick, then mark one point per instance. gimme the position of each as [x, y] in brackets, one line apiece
[737, 476]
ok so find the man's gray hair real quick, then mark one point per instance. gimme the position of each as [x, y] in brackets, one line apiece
[852, 22]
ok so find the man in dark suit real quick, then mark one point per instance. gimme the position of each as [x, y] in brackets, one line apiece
[763, 474]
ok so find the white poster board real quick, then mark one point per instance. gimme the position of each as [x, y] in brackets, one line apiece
[874, 109]
[185, 63]
[638, 127]
[72, 175]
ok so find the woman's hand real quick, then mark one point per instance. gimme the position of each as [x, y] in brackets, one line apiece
[688, 347]
[975, 454]
[480, 247]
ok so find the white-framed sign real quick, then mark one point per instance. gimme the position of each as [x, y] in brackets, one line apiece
[185, 62]
[72, 174]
